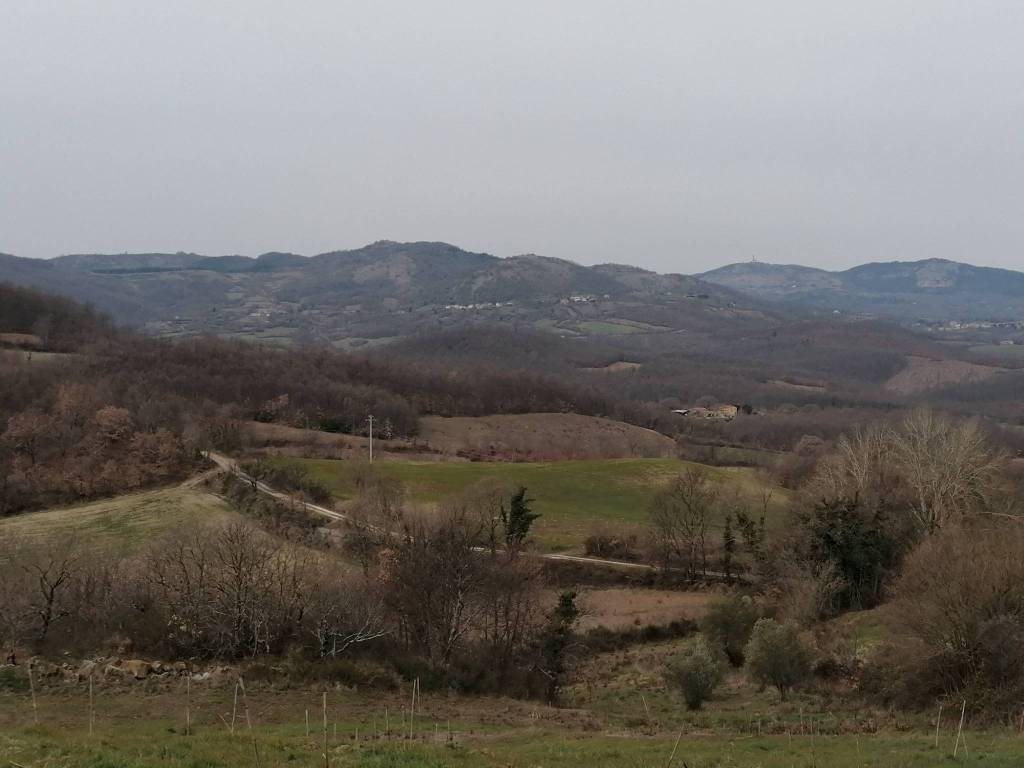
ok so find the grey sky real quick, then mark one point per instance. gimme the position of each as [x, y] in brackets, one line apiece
[673, 135]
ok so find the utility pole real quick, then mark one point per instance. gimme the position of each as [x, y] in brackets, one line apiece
[370, 419]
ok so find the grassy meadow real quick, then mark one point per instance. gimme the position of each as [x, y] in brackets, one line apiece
[144, 724]
[123, 524]
[573, 497]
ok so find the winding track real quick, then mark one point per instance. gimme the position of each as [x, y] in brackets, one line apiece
[229, 465]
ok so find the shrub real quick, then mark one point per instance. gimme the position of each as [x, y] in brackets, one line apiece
[961, 611]
[608, 544]
[696, 671]
[777, 656]
[858, 545]
[728, 625]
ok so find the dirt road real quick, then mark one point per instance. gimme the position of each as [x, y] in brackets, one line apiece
[230, 465]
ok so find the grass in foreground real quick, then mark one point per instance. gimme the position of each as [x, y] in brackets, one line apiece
[573, 497]
[147, 728]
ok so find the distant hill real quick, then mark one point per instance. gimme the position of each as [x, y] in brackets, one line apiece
[932, 289]
[383, 291]
[42, 321]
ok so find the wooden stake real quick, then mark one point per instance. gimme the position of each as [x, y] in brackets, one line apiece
[327, 757]
[387, 724]
[92, 711]
[32, 689]
[248, 722]
[938, 720]
[674, 748]
[188, 708]
[307, 723]
[412, 706]
[234, 710]
[960, 729]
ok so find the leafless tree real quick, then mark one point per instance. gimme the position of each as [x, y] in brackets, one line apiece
[35, 590]
[948, 466]
[936, 468]
[861, 465]
[230, 592]
[434, 584]
[343, 614]
[680, 515]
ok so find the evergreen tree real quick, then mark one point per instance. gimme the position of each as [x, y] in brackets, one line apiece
[555, 644]
[517, 519]
[728, 547]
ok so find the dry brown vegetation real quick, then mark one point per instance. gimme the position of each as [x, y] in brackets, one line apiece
[543, 437]
[501, 437]
[960, 619]
[618, 608]
[923, 373]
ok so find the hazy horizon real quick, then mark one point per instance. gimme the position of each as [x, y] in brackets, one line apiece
[678, 137]
[485, 252]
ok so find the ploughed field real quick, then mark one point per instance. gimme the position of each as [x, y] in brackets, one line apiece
[574, 498]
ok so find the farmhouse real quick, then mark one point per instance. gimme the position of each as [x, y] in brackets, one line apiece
[724, 411]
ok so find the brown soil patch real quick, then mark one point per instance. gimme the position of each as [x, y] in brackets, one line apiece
[543, 437]
[311, 443]
[796, 386]
[618, 367]
[922, 373]
[624, 607]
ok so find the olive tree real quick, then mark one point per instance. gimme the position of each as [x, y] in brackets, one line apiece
[777, 656]
[696, 671]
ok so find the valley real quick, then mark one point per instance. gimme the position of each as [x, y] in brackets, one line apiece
[575, 507]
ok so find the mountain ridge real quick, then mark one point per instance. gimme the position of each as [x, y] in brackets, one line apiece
[382, 291]
[931, 289]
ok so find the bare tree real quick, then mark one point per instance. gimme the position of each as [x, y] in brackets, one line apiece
[342, 615]
[936, 468]
[679, 515]
[434, 584]
[861, 465]
[36, 584]
[230, 592]
[948, 467]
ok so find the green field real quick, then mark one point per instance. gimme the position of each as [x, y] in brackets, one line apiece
[146, 726]
[573, 497]
[123, 524]
[603, 328]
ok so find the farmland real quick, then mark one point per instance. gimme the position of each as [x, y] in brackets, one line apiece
[572, 496]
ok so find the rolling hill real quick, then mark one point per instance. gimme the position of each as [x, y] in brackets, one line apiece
[382, 291]
[930, 290]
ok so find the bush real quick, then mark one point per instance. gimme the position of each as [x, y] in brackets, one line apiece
[777, 656]
[961, 612]
[604, 640]
[696, 671]
[860, 546]
[728, 625]
[610, 545]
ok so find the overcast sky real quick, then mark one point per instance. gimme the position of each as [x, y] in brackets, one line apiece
[675, 135]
